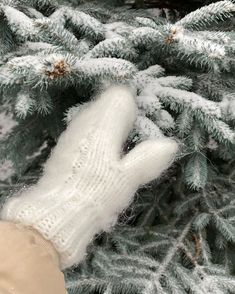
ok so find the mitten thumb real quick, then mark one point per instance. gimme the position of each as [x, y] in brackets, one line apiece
[148, 159]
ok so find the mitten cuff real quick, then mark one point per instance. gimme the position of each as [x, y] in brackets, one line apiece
[70, 226]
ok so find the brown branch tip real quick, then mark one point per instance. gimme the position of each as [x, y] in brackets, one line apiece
[169, 39]
[60, 69]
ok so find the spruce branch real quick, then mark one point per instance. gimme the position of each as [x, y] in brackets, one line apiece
[54, 57]
[214, 12]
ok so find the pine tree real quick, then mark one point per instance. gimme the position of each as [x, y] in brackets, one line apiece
[179, 234]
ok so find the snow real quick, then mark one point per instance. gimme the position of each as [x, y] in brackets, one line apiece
[228, 106]
[111, 68]
[34, 13]
[79, 19]
[224, 131]
[154, 71]
[141, 80]
[148, 103]
[7, 123]
[155, 11]
[6, 170]
[191, 44]
[147, 129]
[87, 21]
[117, 29]
[19, 22]
[219, 37]
[38, 152]
[175, 82]
[144, 36]
[110, 34]
[39, 64]
[24, 104]
[37, 46]
[207, 14]
[71, 112]
[58, 16]
[146, 22]
[117, 46]
[211, 285]
[164, 120]
[186, 98]
[212, 144]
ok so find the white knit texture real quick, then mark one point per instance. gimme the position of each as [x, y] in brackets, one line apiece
[86, 181]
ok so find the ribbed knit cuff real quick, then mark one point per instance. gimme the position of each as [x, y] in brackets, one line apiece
[70, 226]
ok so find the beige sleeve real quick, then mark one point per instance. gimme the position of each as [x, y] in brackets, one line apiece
[29, 264]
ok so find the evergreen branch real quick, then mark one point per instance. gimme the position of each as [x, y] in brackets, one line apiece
[188, 204]
[196, 171]
[19, 23]
[60, 69]
[57, 35]
[154, 71]
[84, 24]
[146, 129]
[172, 251]
[24, 104]
[218, 129]
[54, 57]
[184, 122]
[182, 83]
[145, 37]
[202, 17]
[179, 99]
[201, 221]
[224, 227]
[115, 47]
[146, 22]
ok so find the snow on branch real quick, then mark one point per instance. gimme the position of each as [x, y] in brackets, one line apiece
[82, 22]
[19, 23]
[202, 17]
[55, 69]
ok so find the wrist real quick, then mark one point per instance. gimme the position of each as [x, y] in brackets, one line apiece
[27, 235]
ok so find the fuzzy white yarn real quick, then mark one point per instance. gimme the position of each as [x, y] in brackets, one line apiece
[86, 181]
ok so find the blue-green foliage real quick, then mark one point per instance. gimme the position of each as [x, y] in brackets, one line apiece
[179, 234]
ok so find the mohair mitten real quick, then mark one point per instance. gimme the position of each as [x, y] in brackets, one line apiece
[87, 181]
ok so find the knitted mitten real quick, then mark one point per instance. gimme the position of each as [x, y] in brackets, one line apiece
[87, 182]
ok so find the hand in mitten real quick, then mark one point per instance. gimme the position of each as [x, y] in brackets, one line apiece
[87, 181]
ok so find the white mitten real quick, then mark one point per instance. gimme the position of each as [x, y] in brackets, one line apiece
[86, 181]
